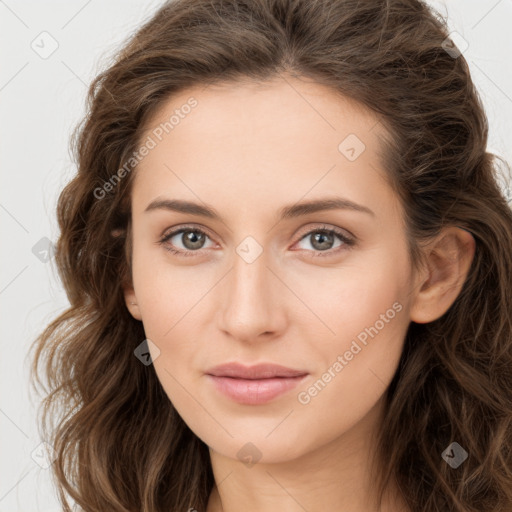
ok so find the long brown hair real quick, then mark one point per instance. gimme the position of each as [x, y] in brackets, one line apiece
[120, 444]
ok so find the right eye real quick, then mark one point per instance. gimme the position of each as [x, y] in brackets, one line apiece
[192, 238]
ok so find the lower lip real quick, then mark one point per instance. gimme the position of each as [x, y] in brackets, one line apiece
[255, 391]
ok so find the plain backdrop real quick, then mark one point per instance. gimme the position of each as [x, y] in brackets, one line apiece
[50, 52]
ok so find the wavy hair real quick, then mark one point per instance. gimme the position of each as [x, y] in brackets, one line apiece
[120, 444]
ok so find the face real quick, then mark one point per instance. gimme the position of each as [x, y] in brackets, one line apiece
[263, 279]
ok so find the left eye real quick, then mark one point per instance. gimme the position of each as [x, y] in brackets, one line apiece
[322, 240]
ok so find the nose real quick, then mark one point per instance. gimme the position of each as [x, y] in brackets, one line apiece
[251, 304]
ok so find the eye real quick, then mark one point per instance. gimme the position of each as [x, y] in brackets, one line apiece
[192, 238]
[322, 240]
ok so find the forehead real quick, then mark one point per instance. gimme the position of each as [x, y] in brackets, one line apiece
[250, 139]
[264, 106]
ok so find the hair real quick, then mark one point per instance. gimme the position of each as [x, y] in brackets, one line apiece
[119, 443]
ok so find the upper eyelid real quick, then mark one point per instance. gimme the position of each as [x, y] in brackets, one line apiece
[326, 227]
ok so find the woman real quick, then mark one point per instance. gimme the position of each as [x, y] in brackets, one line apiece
[288, 263]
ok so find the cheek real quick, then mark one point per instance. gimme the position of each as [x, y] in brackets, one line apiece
[340, 303]
[366, 312]
[171, 299]
[167, 299]
[355, 369]
[367, 329]
[167, 293]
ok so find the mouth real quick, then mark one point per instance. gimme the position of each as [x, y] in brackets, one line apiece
[254, 385]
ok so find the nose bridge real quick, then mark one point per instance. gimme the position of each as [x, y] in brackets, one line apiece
[248, 308]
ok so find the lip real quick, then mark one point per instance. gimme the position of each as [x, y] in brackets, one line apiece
[253, 385]
[257, 371]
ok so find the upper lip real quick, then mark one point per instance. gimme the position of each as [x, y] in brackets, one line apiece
[258, 371]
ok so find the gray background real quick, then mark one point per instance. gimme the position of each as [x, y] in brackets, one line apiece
[41, 100]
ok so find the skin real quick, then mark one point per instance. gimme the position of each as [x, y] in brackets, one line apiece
[248, 150]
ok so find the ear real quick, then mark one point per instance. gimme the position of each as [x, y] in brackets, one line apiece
[126, 280]
[449, 258]
[131, 301]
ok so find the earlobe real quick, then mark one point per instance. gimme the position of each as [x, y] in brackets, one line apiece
[449, 260]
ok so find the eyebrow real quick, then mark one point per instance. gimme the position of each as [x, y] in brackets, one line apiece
[287, 212]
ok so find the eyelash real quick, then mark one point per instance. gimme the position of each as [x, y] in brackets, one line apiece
[347, 242]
